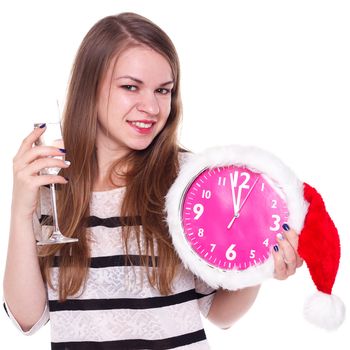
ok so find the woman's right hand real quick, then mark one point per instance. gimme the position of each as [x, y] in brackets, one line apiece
[27, 179]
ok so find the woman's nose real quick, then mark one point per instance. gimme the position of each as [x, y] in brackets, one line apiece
[148, 103]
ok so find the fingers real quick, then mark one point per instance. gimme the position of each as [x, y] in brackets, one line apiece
[293, 238]
[28, 156]
[27, 171]
[27, 143]
[41, 164]
[30, 175]
[33, 183]
[285, 254]
[43, 180]
[280, 272]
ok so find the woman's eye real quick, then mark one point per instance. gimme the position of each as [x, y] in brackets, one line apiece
[163, 91]
[129, 87]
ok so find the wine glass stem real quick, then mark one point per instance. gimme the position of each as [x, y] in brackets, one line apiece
[54, 207]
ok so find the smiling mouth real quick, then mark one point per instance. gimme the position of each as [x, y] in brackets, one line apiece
[142, 125]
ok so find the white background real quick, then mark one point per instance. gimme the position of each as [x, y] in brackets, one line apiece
[275, 74]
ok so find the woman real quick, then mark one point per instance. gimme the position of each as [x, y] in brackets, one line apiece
[122, 285]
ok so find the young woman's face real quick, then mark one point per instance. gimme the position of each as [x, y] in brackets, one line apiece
[134, 101]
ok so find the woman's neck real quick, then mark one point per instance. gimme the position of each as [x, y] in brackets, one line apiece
[105, 159]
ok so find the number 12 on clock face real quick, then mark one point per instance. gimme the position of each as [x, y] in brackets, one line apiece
[231, 215]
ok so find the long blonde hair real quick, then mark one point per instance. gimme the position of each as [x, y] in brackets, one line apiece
[150, 171]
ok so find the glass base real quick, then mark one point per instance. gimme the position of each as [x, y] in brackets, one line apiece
[57, 238]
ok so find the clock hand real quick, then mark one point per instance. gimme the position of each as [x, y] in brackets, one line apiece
[245, 199]
[233, 220]
[234, 199]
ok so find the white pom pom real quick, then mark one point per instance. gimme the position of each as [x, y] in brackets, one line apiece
[324, 310]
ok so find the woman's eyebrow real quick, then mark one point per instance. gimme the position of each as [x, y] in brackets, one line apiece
[141, 82]
[167, 83]
[131, 78]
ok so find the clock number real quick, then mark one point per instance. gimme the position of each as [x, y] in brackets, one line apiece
[276, 223]
[222, 181]
[206, 194]
[266, 242]
[247, 178]
[213, 245]
[230, 253]
[234, 179]
[274, 204]
[198, 209]
[201, 232]
[252, 254]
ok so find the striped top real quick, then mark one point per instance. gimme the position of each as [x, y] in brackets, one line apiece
[118, 308]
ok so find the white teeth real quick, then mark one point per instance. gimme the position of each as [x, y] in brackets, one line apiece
[142, 125]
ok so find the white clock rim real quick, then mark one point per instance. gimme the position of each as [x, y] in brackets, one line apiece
[255, 159]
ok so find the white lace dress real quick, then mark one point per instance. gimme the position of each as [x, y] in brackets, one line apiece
[118, 308]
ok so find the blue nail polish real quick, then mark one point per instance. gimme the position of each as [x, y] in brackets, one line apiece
[275, 248]
[62, 150]
[285, 227]
[42, 126]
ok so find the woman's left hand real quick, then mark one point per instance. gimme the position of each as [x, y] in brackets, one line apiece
[285, 254]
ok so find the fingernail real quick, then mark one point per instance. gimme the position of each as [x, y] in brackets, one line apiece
[42, 126]
[62, 150]
[286, 227]
[275, 248]
[67, 162]
[280, 236]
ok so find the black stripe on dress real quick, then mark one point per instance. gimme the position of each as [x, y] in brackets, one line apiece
[93, 221]
[114, 260]
[124, 303]
[114, 221]
[128, 344]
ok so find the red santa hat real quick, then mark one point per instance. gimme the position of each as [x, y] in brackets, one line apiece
[319, 246]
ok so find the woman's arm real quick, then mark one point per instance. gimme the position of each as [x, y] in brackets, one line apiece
[228, 306]
[24, 289]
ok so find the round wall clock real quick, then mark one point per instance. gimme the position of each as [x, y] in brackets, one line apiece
[225, 209]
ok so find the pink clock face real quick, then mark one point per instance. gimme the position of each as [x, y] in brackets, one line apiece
[231, 215]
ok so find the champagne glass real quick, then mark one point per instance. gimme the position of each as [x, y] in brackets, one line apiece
[53, 137]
